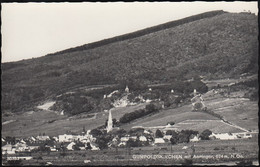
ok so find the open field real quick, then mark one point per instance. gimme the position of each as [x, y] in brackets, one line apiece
[176, 115]
[206, 152]
[32, 123]
[239, 111]
[216, 126]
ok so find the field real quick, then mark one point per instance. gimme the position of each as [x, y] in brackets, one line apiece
[51, 123]
[206, 152]
[176, 115]
[216, 126]
[239, 111]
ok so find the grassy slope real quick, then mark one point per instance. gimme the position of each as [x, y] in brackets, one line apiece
[227, 42]
[235, 109]
[38, 122]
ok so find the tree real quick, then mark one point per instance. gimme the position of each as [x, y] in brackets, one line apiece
[174, 138]
[96, 132]
[205, 134]
[151, 108]
[158, 134]
[168, 132]
[88, 146]
[115, 122]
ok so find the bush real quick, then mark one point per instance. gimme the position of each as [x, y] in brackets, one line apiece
[150, 108]
[96, 132]
[158, 134]
[205, 134]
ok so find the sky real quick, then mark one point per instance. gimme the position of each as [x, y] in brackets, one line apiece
[31, 30]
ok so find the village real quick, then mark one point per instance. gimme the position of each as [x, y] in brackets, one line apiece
[112, 137]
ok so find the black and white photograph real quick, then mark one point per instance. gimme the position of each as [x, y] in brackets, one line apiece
[130, 83]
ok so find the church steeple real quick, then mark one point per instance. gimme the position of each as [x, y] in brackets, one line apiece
[109, 122]
[126, 89]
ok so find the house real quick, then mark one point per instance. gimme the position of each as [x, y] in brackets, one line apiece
[94, 146]
[56, 138]
[133, 137]
[124, 139]
[147, 132]
[65, 138]
[243, 135]
[70, 146]
[143, 138]
[8, 149]
[115, 139]
[33, 147]
[43, 138]
[21, 147]
[168, 137]
[184, 147]
[194, 138]
[53, 149]
[223, 136]
[32, 139]
[121, 144]
[159, 141]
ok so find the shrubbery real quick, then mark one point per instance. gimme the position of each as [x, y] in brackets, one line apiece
[182, 137]
[205, 134]
[150, 108]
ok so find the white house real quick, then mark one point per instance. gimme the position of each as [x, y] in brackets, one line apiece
[56, 138]
[94, 147]
[70, 146]
[8, 149]
[124, 139]
[121, 144]
[133, 137]
[168, 137]
[147, 132]
[21, 147]
[143, 138]
[43, 138]
[65, 138]
[194, 139]
[159, 141]
[243, 135]
[223, 136]
[32, 139]
[184, 147]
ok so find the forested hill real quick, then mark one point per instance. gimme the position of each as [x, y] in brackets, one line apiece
[220, 45]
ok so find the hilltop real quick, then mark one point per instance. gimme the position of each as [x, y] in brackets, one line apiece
[215, 45]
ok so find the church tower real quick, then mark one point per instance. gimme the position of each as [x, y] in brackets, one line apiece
[109, 122]
[126, 89]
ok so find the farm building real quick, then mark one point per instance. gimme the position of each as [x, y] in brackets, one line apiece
[8, 149]
[223, 136]
[124, 139]
[43, 138]
[65, 138]
[168, 137]
[194, 139]
[159, 141]
[70, 146]
[142, 138]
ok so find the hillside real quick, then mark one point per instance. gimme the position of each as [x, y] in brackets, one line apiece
[216, 46]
